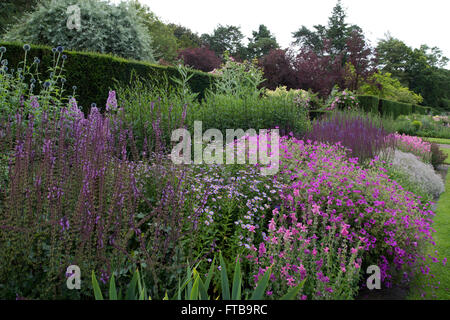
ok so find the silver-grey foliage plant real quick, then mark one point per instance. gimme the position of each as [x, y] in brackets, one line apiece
[421, 173]
[104, 28]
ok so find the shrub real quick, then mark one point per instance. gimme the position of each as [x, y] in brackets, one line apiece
[304, 99]
[251, 112]
[24, 87]
[74, 197]
[416, 124]
[66, 187]
[364, 137]
[421, 173]
[342, 100]
[200, 58]
[437, 156]
[369, 103]
[278, 70]
[95, 75]
[47, 25]
[404, 179]
[238, 79]
[383, 85]
[336, 219]
[414, 145]
[395, 109]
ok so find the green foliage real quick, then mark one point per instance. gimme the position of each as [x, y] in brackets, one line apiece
[384, 86]
[261, 43]
[164, 42]
[10, 11]
[395, 109]
[105, 28]
[224, 112]
[95, 74]
[237, 79]
[369, 103]
[186, 38]
[25, 84]
[196, 287]
[421, 69]
[435, 284]
[438, 157]
[226, 38]
[416, 124]
[403, 178]
[337, 31]
[429, 128]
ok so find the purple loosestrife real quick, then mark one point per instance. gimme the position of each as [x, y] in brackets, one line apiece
[72, 190]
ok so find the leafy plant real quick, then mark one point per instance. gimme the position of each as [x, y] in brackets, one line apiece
[195, 287]
[99, 31]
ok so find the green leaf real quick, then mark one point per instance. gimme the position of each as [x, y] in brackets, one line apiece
[203, 290]
[194, 291]
[97, 292]
[131, 291]
[293, 292]
[237, 280]
[258, 294]
[210, 274]
[112, 288]
[224, 279]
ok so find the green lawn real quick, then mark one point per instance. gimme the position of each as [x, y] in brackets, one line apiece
[447, 152]
[442, 239]
[437, 140]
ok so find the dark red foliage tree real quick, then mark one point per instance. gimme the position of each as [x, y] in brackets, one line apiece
[319, 72]
[202, 59]
[363, 59]
[278, 69]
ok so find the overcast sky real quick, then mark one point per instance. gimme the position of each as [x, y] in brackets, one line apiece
[415, 22]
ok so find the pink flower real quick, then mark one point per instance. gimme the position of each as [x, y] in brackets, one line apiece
[316, 209]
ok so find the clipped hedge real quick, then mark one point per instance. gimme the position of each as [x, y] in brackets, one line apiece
[93, 74]
[369, 103]
[318, 114]
[394, 108]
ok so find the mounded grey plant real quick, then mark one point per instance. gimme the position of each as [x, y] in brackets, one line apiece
[421, 173]
[105, 28]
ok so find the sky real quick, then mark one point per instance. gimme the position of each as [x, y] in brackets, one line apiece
[415, 22]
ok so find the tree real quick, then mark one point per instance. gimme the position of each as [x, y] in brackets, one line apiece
[279, 69]
[360, 60]
[226, 38]
[10, 11]
[200, 58]
[105, 28]
[383, 85]
[261, 43]
[393, 56]
[337, 32]
[319, 73]
[164, 42]
[186, 38]
[418, 69]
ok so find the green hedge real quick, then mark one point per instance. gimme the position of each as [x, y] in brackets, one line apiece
[94, 74]
[394, 108]
[318, 114]
[420, 109]
[369, 103]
